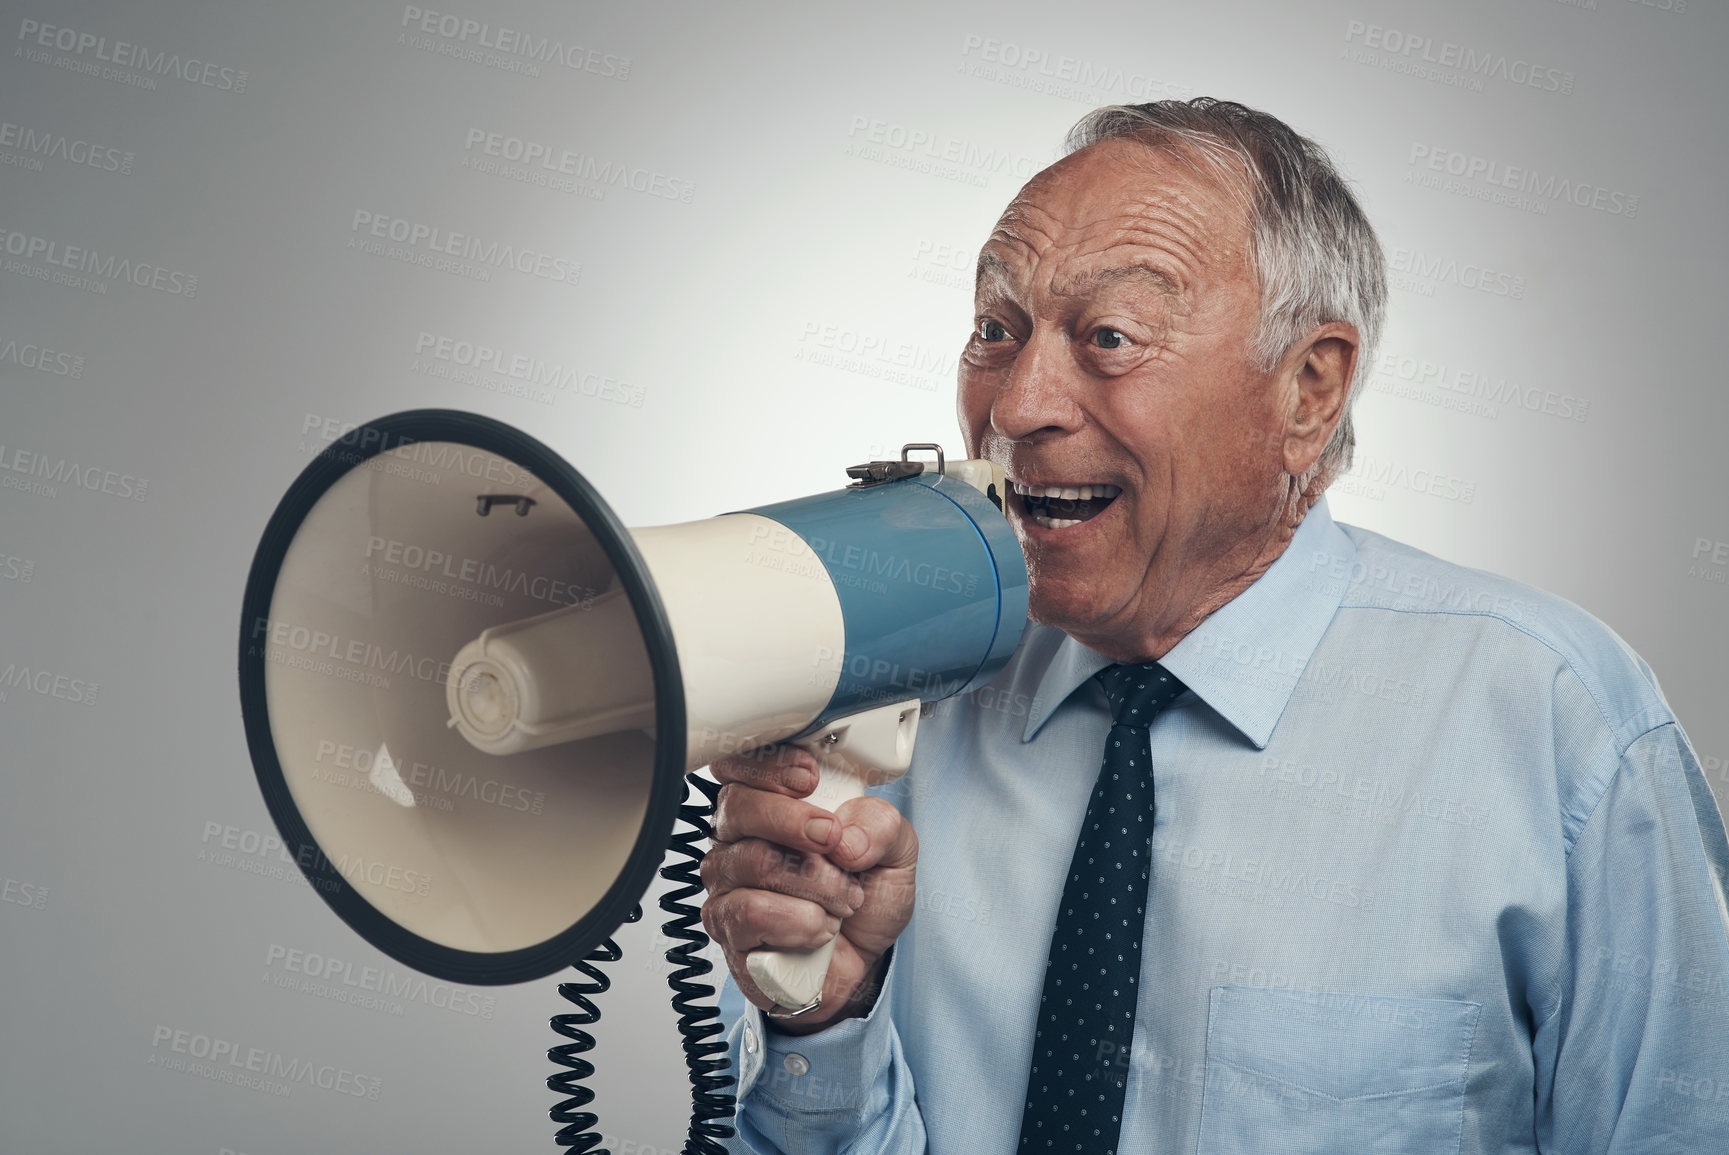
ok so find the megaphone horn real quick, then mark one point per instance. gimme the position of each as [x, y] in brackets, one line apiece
[472, 695]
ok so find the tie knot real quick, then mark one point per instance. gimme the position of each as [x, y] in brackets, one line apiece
[1138, 693]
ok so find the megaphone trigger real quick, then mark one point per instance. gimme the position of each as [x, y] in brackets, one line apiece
[853, 753]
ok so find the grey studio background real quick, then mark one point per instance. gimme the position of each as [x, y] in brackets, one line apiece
[712, 253]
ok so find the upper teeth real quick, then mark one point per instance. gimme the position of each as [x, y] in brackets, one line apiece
[1067, 492]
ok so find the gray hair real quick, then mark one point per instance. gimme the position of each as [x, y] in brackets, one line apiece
[1315, 254]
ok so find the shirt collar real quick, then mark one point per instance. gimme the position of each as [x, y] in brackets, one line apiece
[1245, 659]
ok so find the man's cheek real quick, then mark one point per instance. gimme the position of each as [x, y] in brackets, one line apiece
[973, 407]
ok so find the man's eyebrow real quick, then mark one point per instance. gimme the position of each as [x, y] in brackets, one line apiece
[993, 268]
[1085, 283]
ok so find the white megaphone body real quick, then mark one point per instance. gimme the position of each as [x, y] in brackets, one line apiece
[472, 696]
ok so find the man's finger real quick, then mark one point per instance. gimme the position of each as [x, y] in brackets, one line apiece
[782, 769]
[746, 812]
[742, 920]
[873, 834]
[754, 864]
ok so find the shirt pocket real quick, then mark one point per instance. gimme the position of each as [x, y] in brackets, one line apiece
[1305, 1073]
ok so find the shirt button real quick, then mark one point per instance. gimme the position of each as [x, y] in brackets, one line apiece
[797, 1065]
[749, 1041]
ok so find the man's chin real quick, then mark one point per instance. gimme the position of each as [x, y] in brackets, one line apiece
[1072, 606]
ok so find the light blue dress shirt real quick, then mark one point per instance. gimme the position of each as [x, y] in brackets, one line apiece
[1434, 871]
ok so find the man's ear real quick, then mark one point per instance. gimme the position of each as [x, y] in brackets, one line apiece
[1316, 373]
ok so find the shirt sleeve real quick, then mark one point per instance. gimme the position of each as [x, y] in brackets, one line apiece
[1633, 1055]
[844, 1089]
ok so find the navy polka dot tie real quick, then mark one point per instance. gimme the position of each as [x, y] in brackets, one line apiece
[1080, 1064]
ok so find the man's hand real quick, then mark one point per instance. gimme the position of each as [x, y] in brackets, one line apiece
[784, 873]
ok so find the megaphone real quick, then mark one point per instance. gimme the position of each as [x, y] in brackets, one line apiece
[471, 695]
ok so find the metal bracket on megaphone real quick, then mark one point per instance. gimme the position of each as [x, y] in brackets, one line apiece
[984, 476]
[861, 750]
[882, 472]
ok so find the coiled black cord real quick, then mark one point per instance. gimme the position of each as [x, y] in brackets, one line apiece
[575, 1133]
[705, 1056]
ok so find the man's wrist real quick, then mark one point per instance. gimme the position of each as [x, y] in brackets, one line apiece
[858, 1003]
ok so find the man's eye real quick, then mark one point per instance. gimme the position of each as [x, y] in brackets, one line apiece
[993, 331]
[1109, 339]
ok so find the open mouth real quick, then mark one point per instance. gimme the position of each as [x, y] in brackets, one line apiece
[1060, 506]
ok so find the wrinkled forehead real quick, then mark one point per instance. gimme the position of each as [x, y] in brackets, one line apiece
[1111, 200]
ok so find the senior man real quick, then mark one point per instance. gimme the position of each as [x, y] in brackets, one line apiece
[1383, 855]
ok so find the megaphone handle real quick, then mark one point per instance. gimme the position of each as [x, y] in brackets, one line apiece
[794, 977]
[875, 746]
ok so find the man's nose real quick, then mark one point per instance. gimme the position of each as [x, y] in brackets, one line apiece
[1036, 396]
